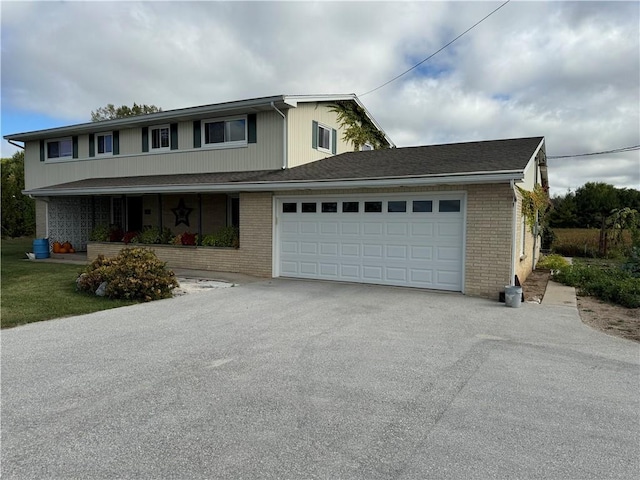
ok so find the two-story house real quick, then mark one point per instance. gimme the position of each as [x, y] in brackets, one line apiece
[306, 204]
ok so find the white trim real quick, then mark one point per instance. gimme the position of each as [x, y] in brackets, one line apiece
[224, 144]
[95, 141]
[160, 148]
[426, 180]
[329, 129]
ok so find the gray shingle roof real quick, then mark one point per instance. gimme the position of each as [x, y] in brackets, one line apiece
[492, 156]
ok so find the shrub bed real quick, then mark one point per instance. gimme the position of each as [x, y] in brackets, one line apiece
[134, 274]
[611, 284]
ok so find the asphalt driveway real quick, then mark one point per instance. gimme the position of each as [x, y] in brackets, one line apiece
[293, 379]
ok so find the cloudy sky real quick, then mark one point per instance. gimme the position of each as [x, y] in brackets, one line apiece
[569, 71]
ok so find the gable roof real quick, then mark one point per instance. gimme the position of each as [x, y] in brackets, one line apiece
[251, 105]
[471, 162]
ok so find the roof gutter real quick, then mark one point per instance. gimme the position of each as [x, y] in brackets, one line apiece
[281, 186]
[11, 142]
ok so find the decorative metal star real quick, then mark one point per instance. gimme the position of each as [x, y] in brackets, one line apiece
[182, 213]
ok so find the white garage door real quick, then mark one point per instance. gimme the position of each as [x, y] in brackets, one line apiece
[412, 240]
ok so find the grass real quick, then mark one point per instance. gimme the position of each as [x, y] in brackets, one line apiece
[33, 291]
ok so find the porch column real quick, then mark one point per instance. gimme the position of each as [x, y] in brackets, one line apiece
[160, 211]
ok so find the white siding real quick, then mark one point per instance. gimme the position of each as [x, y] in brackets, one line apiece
[300, 121]
[266, 154]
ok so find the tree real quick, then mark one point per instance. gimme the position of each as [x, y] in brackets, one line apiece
[111, 111]
[564, 213]
[18, 210]
[359, 129]
[595, 202]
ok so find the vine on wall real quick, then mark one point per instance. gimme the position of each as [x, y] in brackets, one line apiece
[536, 200]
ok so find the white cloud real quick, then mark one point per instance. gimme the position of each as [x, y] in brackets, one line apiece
[566, 70]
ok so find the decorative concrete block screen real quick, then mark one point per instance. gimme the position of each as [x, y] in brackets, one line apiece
[72, 219]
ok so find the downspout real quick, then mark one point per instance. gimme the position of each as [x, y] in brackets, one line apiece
[536, 227]
[514, 233]
[285, 162]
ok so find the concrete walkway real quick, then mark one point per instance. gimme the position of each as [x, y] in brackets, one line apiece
[558, 295]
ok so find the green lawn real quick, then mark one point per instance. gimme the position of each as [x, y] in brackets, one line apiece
[32, 291]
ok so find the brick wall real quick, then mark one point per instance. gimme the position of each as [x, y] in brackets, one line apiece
[489, 225]
[253, 257]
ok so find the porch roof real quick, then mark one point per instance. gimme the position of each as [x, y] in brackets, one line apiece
[472, 162]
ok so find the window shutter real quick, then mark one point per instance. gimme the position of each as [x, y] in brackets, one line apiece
[334, 140]
[116, 142]
[42, 150]
[197, 135]
[252, 132]
[145, 139]
[74, 141]
[92, 145]
[314, 134]
[173, 129]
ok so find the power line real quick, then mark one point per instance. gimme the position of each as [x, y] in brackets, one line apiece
[615, 150]
[435, 53]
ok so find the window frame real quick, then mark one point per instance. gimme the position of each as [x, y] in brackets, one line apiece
[225, 144]
[321, 127]
[161, 148]
[103, 134]
[59, 158]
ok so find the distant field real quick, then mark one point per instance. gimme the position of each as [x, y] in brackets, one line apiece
[579, 242]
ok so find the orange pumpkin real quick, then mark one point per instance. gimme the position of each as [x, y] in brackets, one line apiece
[67, 246]
[63, 250]
[72, 250]
[56, 247]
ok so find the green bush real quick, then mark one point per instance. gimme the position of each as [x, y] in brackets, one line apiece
[100, 233]
[134, 274]
[225, 237]
[610, 284]
[552, 262]
[155, 235]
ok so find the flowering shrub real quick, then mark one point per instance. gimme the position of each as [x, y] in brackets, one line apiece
[130, 237]
[134, 274]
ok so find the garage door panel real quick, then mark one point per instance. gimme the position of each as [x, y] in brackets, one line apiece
[289, 247]
[371, 251]
[329, 249]
[350, 272]
[447, 253]
[308, 268]
[395, 229]
[372, 228]
[372, 272]
[422, 228]
[328, 228]
[329, 270]
[308, 248]
[397, 252]
[421, 253]
[421, 276]
[421, 249]
[309, 228]
[350, 228]
[396, 274]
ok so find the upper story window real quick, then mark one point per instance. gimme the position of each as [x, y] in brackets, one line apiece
[61, 148]
[228, 132]
[104, 143]
[160, 137]
[324, 138]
